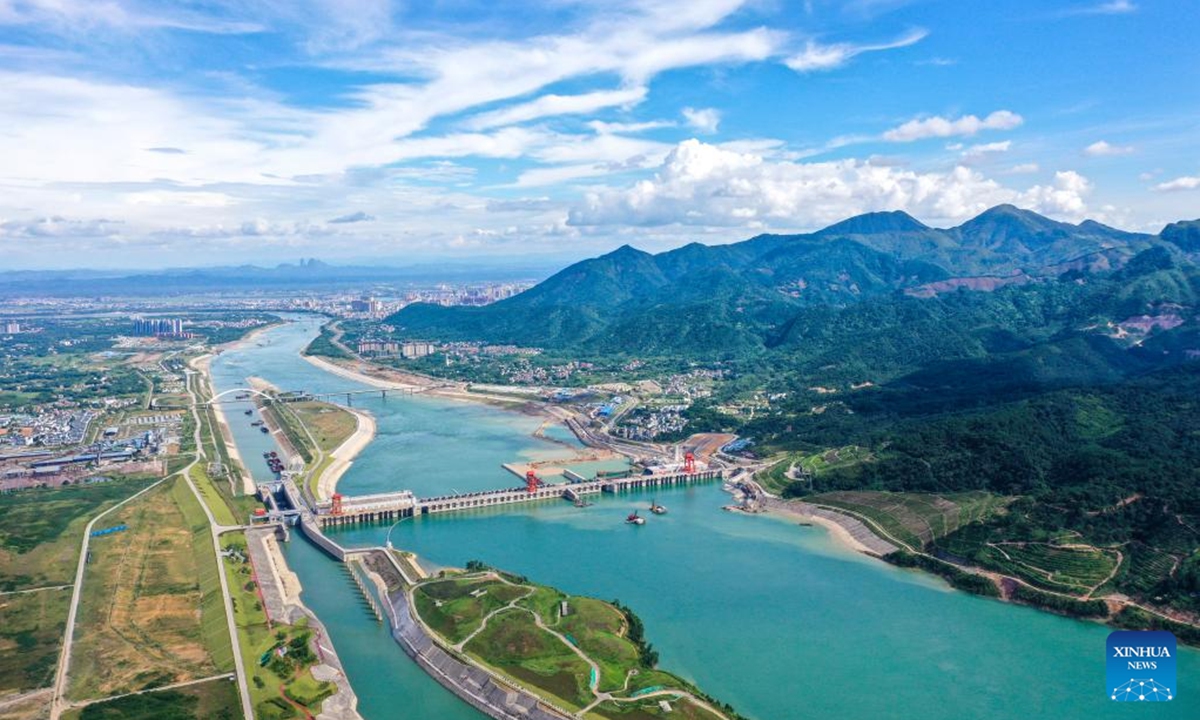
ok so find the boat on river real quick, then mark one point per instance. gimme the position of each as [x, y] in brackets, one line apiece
[635, 519]
[657, 509]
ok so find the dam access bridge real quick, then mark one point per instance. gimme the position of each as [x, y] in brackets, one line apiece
[242, 394]
[383, 507]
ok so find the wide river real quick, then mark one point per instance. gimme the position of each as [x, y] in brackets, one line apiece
[772, 617]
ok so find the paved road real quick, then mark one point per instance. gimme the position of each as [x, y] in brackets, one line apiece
[34, 590]
[215, 532]
[59, 702]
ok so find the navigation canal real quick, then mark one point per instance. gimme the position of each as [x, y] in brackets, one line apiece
[773, 618]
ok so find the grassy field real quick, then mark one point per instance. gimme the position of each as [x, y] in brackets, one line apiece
[271, 677]
[329, 424]
[512, 643]
[215, 700]
[213, 497]
[682, 709]
[151, 612]
[776, 479]
[504, 612]
[455, 608]
[32, 708]
[39, 547]
[42, 530]
[598, 629]
[31, 630]
[915, 519]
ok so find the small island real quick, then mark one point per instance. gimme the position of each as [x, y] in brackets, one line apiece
[582, 656]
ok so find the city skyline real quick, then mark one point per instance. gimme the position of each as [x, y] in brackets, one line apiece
[143, 134]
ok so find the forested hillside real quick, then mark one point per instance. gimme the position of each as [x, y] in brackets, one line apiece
[1052, 363]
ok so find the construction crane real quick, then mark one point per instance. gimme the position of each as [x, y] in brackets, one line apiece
[532, 481]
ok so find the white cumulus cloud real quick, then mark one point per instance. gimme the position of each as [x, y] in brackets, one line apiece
[1065, 198]
[705, 185]
[1102, 148]
[1187, 182]
[704, 120]
[940, 127]
[979, 150]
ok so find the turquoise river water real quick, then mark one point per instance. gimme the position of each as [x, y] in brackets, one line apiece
[772, 617]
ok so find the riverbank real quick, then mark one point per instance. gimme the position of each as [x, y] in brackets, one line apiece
[844, 530]
[360, 376]
[343, 457]
[387, 378]
[201, 365]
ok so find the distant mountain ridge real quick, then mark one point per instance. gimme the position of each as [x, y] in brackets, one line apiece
[699, 296]
[307, 274]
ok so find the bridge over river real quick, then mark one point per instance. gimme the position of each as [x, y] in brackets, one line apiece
[242, 394]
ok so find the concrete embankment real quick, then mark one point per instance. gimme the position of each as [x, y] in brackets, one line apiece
[847, 530]
[321, 540]
[470, 683]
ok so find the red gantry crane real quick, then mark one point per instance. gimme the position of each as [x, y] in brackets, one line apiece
[689, 463]
[532, 481]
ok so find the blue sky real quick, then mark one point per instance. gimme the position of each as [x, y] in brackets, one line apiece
[138, 133]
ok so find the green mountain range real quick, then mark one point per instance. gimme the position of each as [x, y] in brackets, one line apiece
[1053, 364]
[1003, 281]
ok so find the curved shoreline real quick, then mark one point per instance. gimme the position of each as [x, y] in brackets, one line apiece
[360, 377]
[343, 456]
[845, 531]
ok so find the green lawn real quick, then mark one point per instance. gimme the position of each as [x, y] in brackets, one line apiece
[213, 498]
[258, 639]
[649, 709]
[329, 424]
[212, 602]
[545, 659]
[454, 608]
[598, 629]
[512, 643]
